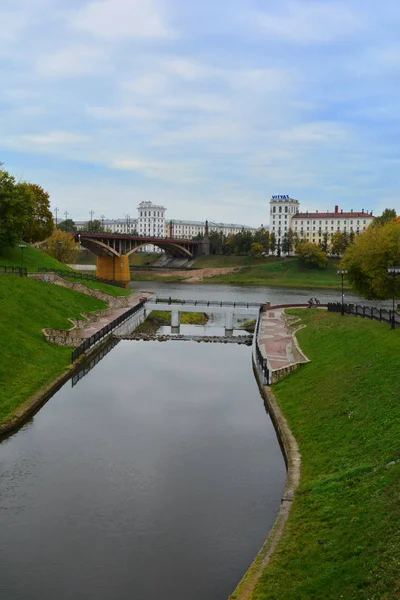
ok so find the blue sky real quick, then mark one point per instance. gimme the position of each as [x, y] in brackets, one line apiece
[208, 107]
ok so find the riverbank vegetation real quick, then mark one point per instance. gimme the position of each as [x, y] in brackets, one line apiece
[29, 363]
[30, 257]
[158, 318]
[342, 539]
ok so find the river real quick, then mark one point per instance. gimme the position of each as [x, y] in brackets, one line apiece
[157, 476]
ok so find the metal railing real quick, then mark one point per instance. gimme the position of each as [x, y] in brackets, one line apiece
[79, 276]
[9, 270]
[104, 331]
[367, 312]
[261, 362]
[221, 304]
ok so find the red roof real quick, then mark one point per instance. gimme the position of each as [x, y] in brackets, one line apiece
[333, 215]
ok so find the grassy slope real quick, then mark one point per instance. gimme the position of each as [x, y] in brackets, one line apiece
[343, 535]
[215, 261]
[32, 259]
[284, 272]
[113, 290]
[28, 362]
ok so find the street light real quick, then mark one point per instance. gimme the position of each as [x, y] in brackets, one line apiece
[393, 271]
[22, 246]
[342, 273]
[59, 244]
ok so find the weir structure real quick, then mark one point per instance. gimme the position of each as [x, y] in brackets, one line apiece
[229, 309]
[113, 250]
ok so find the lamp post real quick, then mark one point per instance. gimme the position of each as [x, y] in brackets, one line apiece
[342, 273]
[59, 244]
[22, 246]
[56, 209]
[393, 271]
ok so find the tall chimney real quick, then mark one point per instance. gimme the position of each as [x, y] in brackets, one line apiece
[336, 209]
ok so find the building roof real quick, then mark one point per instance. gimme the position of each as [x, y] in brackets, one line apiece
[210, 224]
[333, 215]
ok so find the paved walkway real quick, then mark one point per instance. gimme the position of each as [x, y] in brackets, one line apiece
[91, 328]
[275, 339]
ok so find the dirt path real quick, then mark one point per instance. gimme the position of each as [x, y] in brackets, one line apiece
[198, 274]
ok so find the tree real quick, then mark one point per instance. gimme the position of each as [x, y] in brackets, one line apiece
[286, 243]
[94, 226]
[367, 260]
[68, 226]
[272, 242]
[311, 256]
[256, 250]
[62, 246]
[386, 217]
[41, 224]
[339, 243]
[16, 209]
[325, 242]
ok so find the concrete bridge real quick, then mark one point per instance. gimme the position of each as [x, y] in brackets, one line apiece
[229, 309]
[113, 250]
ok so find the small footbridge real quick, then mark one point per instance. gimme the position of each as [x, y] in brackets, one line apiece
[229, 309]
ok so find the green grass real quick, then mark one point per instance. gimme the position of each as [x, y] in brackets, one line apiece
[32, 259]
[158, 318]
[113, 290]
[145, 276]
[281, 273]
[342, 539]
[28, 362]
[142, 259]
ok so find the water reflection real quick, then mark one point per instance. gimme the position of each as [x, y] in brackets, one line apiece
[157, 477]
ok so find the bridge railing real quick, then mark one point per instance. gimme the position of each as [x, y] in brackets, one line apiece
[205, 303]
[102, 333]
[79, 276]
[12, 270]
[261, 361]
[367, 312]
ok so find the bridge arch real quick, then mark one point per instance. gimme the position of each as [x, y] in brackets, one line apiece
[94, 245]
[175, 249]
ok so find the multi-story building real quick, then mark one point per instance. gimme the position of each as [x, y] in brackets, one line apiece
[151, 219]
[312, 226]
[190, 229]
[282, 209]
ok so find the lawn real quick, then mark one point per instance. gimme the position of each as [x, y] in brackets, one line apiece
[342, 539]
[282, 273]
[215, 261]
[32, 259]
[113, 290]
[28, 362]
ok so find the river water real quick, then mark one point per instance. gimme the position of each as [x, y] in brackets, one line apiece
[157, 476]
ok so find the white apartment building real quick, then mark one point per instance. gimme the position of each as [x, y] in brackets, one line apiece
[151, 219]
[190, 229]
[312, 226]
[282, 209]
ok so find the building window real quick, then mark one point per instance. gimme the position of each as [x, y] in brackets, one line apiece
[280, 209]
[286, 209]
[274, 209]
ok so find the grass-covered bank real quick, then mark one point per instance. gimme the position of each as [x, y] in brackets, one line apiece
[342, 539]
[32, 259]
[158, 318]
[28, 362]
[281, 273]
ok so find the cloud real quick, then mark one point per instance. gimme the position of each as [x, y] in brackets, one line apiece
[308, 22]
[79, 59]
[119, 19]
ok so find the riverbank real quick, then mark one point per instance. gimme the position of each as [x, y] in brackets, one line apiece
[271, 272]
[28, 362]
[342, 536]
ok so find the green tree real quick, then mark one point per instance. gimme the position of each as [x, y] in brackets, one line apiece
[62, 246]
[386, 217]
[41, 223]
[68, 226]
[94, 226]
[311, 256]
[272, 242]
[339, 243]
[16, 210]
[325, 242]
[285, 243]
[368, 259]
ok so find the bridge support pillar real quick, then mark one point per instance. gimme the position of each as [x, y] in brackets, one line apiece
[114, 268]
[175, 318]
[229, 320]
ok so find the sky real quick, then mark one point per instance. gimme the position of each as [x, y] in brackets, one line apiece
[208, 107]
